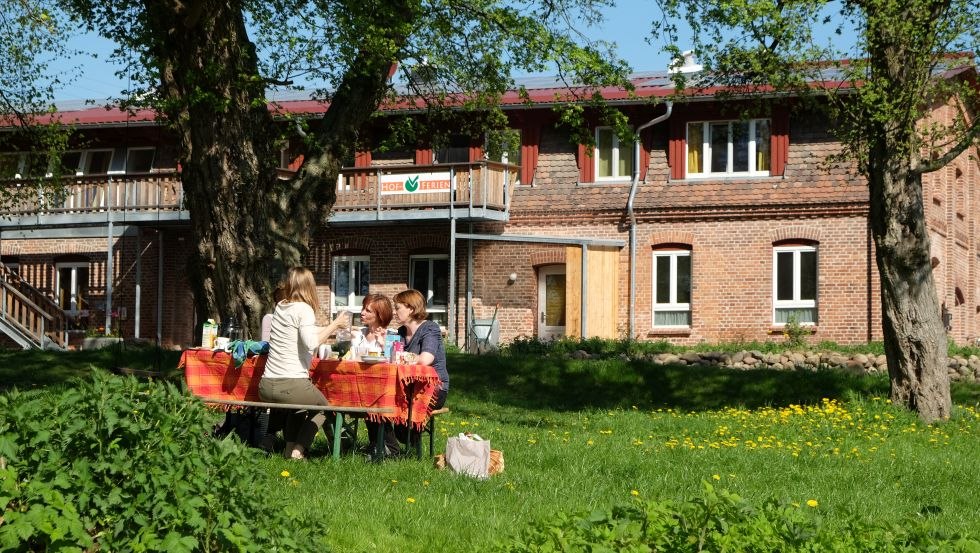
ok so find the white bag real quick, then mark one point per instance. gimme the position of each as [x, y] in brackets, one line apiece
[468, 455]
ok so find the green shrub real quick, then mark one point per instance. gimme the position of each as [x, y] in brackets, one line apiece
[113, 464]
[722, 521]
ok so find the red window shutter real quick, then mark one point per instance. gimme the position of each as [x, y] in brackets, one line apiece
[586, 163]
[646, 144]
[677, 149]
[362, 159]
[423, 156]
[779, 140]
[530, 139]
[476, 151]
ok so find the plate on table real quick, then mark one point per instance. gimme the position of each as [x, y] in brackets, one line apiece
[371, 359]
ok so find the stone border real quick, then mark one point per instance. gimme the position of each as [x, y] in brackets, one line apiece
[959, 368]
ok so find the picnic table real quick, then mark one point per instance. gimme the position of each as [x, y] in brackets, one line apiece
[383, 392]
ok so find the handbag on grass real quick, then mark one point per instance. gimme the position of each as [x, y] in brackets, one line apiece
[468, 454]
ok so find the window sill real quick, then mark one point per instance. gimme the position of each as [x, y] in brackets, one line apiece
[611, 182]
[781, 329]
[686, 331]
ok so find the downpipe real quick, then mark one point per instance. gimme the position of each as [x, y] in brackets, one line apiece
[632, 216]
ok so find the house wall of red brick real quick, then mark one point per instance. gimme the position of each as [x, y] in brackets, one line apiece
[38, 259]
[729, 224]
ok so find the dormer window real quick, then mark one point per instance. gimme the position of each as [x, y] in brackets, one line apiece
[613, 161]
[728, 148]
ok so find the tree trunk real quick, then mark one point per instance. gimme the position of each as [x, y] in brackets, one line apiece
[249, 226]
[914, 334]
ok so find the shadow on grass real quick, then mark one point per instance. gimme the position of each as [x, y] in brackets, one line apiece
[27, 370]
[566, 384]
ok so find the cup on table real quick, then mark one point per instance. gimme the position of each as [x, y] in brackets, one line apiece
[324, 351]
[221, 342]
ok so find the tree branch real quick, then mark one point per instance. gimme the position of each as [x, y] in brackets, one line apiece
[968, 139]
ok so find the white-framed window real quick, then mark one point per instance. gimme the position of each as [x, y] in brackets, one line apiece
[794, 284]
[671, 288]
[429, 274]
[140, 160]
[351, 280]
[503, 146]
[86, 162]
[72, 286]
[728, 148]
[10, 165]
[613, 161]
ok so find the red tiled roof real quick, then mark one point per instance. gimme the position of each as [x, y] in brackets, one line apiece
[539, 90]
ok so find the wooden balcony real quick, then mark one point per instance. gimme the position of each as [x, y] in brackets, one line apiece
[93, 199]
[477, 191]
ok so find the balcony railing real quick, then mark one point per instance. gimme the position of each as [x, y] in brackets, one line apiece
[477, 190]
[149, 193]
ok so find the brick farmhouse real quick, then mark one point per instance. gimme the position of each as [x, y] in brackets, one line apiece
[728, 222]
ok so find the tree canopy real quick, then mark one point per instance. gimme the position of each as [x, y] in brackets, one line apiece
[211, 67]
[912, 59]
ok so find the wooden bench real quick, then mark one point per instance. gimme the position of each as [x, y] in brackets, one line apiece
[338, 411]
[430, 428]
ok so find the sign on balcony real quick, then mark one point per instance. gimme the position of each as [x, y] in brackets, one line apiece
[416, 183]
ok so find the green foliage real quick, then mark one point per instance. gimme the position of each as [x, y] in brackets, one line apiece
[795, 333]
[115, 465]
[719, 520]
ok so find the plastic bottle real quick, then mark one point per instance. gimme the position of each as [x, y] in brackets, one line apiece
[209, 333]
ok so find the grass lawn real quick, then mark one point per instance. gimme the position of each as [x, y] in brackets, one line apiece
[579, 435]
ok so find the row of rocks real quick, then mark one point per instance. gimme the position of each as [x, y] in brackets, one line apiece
[960, 368]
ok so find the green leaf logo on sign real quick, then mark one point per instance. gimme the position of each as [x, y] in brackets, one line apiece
[412, 184]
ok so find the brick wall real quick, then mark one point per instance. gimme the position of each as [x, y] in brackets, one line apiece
[38, 259]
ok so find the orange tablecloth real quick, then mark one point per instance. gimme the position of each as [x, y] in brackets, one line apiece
[212, 374]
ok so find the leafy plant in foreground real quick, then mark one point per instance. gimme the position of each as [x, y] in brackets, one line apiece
[113, 464]
[719, 520]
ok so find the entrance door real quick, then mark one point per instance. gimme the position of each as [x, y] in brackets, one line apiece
[551, 302]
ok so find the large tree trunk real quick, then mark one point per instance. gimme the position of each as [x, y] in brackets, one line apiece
[914, 334]
[915, 338]
[249, 226]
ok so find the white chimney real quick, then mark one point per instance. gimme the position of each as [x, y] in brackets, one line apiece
[689, 65]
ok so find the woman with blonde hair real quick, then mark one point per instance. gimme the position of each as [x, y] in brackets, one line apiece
[292, 338]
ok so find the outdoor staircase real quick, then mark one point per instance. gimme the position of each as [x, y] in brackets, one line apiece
[29, 317]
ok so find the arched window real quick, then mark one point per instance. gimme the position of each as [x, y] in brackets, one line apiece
[672, 286]
[794, 283]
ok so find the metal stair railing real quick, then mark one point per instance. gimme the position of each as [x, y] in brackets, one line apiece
[28, 316]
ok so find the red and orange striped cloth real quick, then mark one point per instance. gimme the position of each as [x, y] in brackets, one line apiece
[213, 374]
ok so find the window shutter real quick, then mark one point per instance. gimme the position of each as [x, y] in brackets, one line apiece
[530, 139]
[476, 150]
[677, 149]
[423, 156]
[586, 163]
[646, 144]
[362, 159]
[779, 140]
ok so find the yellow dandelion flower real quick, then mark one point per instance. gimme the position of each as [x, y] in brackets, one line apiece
[634, 493]
[410, 500]
[425, 482]
[811, 503]
[590, 442]
[284, 474]
[716, 477]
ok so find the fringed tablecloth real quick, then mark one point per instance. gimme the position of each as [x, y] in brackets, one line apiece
[212, 374]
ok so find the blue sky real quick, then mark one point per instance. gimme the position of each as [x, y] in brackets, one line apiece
[623, 26]
[628, 24]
